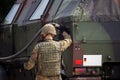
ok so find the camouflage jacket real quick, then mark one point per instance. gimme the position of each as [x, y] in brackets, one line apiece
[47, 54]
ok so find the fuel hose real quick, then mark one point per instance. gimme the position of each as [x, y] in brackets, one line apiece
[23, 49]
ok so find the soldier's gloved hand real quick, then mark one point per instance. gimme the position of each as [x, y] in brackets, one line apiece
[67, 30]
[61, 27]
[64, 28]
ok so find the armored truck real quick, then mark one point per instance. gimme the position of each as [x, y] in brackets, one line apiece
[94, 26]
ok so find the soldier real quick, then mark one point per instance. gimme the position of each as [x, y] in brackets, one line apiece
[47, 54]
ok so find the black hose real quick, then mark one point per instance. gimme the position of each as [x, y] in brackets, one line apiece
[23, 49]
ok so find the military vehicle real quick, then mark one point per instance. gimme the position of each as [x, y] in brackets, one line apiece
[94, 26]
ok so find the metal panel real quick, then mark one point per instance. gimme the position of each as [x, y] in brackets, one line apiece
[86, 78]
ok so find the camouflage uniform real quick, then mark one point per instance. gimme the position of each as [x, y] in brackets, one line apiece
[47, 54]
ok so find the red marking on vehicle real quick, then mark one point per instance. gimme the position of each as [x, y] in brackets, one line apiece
[78, 62]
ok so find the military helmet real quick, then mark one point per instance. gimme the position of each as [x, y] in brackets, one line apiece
[48, 29]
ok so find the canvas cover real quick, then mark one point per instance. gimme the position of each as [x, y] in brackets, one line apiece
[101, 10]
